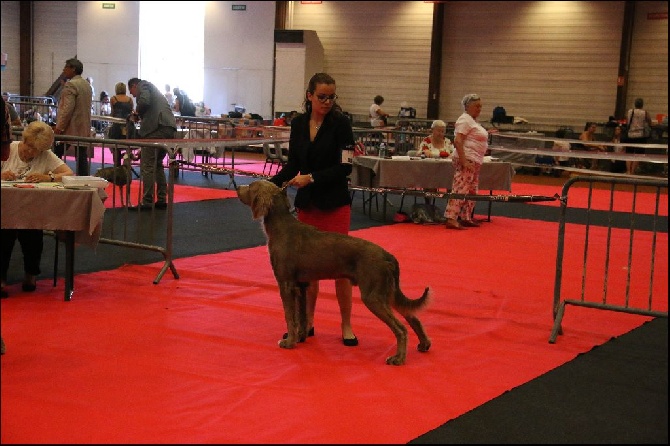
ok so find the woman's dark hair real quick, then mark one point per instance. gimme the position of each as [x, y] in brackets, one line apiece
[319, 78]
[639, 103]
[379, 100]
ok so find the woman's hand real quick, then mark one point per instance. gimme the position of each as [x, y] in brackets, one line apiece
[300, 181]
[8, 176]
[37, 178]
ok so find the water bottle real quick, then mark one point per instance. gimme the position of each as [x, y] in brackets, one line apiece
[382, 150]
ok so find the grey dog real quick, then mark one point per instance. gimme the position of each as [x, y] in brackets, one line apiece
[300, 253]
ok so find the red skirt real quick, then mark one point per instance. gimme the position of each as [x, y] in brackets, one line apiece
[332, 220]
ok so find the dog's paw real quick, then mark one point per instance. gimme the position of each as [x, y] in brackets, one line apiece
[424, 346]
[284, 343]
[395, 360]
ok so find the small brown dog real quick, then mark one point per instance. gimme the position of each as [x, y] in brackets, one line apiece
[300, 253]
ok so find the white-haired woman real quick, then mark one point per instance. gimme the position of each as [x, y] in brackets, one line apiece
[471, 141]
[437, 145]
[30, 160]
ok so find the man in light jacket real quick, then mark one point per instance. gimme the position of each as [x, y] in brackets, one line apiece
[74, 111]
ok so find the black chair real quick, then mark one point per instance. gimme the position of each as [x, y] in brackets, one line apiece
[273, 157]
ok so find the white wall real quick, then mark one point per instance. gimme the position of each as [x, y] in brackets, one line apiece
[373, 48]
[239, 53]
[548, 62]
[648, 77]
[295, 64]
[107, 43]
[239, 49]
[553, 63]
[9, 35]
[547, 67]
[289, 84]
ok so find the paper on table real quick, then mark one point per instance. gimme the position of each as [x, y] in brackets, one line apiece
[347, 156]
[90, 181]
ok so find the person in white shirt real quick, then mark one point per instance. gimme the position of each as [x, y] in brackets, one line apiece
[30, 160]
[377, 115]
[637, 117]
[471, 143]
[168, 95]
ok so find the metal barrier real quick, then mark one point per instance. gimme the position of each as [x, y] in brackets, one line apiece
[35, 108]
[204, 137]
[133, 228]
[631, 298]
[218, 128]
[139, 229]
[397, 141]
[534, 150]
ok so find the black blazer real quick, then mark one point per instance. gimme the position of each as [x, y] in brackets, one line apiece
[322, 158]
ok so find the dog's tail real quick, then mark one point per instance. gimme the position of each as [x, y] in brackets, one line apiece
[406, 306]
[401, 303]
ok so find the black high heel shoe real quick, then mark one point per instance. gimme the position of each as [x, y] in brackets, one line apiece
[350, 342]
[29, 285]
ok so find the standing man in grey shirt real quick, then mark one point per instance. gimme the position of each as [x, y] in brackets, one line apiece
[74, 111]
[157, 122]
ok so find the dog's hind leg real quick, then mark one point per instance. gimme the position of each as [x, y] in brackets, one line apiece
[417, 326]
[383, 311]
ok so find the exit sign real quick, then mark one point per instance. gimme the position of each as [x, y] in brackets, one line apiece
[109, 6]
[239, 7]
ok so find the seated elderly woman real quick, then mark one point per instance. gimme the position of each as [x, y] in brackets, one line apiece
[30, 160]
[436, 145]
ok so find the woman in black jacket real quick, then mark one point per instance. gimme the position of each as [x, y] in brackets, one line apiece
[315, 168]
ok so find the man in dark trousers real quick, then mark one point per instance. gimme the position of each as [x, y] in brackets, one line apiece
[156, 122]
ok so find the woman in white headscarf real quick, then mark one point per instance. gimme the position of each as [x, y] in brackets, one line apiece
[471, 142]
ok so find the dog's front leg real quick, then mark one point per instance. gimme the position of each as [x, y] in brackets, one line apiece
[290, 293]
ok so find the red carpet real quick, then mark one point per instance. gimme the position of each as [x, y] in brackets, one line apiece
[182, 194]
[195, 360]
[578, 197]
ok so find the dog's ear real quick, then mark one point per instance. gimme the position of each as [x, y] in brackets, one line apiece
[261, 201]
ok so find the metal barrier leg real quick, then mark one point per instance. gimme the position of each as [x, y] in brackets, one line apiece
[557, 323]
[56, 259]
